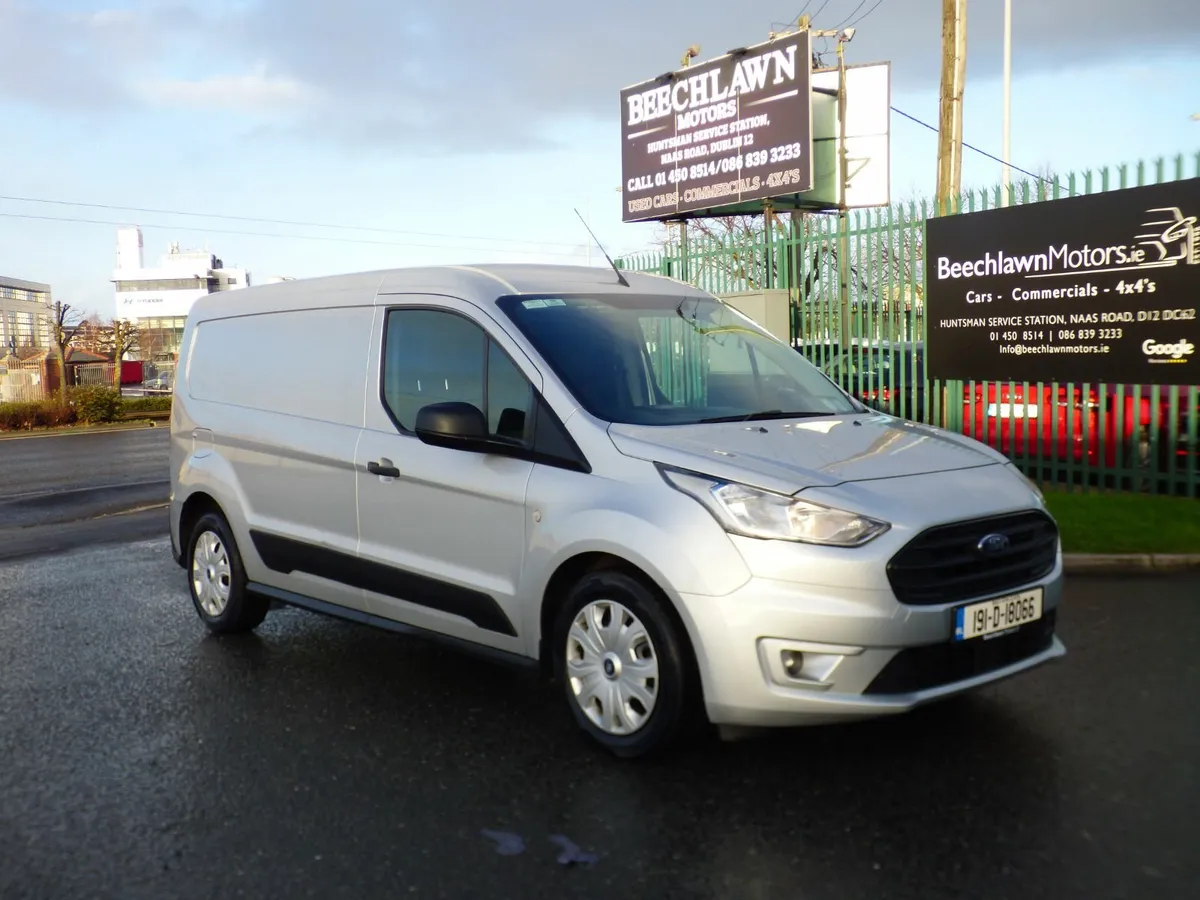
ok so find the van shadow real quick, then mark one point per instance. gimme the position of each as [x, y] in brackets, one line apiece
[966, 776]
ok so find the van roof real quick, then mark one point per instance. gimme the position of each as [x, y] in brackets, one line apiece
[481, 284]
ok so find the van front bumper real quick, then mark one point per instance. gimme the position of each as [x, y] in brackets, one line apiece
[850, 654]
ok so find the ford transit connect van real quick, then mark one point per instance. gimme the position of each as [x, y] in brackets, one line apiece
[616, 476]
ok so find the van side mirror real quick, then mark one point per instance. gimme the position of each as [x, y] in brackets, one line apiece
[453, 424]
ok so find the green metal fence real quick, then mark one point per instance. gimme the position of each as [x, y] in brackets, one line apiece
[1123, 437]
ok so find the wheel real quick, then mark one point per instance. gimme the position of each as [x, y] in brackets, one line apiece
[623, 665]
[218, 581]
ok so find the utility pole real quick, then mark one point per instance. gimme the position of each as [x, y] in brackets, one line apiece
[954, 65]
[688, 55]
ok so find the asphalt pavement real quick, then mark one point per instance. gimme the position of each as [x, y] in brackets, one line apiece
[143, 758]
[74, 489]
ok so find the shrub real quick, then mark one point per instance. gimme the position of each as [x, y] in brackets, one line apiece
[145, 404]
[96, 403]
[37, 414]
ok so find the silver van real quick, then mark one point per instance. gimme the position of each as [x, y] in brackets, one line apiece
[614, 476]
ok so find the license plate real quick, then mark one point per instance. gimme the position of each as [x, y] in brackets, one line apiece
[994, 616]
[1016, 411]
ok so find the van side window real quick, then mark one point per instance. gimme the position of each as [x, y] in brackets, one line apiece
[431, 356]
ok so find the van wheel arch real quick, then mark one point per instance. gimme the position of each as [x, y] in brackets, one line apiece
[571, 571]
[194, 508]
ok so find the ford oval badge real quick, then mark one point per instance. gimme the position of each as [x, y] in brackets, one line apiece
[993, 543]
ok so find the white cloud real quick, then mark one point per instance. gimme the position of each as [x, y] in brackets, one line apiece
[253, 92]
[106, 18]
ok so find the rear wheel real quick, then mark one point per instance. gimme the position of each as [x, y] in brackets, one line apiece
[623, 665]
[218, 581]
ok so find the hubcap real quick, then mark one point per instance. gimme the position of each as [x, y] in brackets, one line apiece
[612, 667]
[211, 578]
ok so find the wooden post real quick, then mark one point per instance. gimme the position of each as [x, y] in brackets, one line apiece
[954, 64]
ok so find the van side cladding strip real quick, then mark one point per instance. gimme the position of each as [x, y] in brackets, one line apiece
[300, 601]
[285, 555]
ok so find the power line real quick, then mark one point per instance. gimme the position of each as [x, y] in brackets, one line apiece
[293, 237]
[300, 224]
[851, 16]
[976, 149]
[867, 13]
[796, 17]
[791, 23]
[819, 11]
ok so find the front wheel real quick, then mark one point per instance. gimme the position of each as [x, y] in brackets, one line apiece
[624, 665]
[218, 581]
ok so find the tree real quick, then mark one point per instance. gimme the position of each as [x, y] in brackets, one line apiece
[91, 335]
[119, 337]
[730, 253]
[153, 343]
[65, 323]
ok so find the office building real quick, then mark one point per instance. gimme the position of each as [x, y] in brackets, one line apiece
[158, 299]
[26, 316]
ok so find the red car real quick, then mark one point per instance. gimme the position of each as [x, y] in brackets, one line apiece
[1112, 428]
[1104, 429]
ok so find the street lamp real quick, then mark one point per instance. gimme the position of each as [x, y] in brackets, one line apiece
[842, 37]
[1006, 152]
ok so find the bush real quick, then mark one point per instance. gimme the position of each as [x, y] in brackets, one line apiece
[145, 404]
[38, 414]
[96, 403]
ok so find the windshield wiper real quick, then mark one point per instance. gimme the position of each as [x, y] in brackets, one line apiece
[765, 414]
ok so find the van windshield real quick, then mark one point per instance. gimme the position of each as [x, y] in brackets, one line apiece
[662, 360]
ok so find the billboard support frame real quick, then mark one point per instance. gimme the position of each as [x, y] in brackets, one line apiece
[843, 209]
[769, 247]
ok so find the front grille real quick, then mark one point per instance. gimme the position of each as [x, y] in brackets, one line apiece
[945, 564]
[921, 668]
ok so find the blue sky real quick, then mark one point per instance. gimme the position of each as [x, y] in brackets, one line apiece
[467, 131]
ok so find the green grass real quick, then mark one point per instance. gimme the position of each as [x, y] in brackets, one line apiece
[1125, 523]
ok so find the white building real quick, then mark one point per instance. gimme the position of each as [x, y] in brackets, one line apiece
[159, 299]
[26, 317]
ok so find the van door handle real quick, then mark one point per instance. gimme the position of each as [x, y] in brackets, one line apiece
[387, 471]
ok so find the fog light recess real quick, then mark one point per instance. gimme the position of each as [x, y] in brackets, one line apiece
[802, 664]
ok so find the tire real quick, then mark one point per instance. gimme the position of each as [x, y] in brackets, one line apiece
[597, 667]
[217, 579]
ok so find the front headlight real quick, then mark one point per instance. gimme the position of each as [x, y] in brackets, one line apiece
[762, 514]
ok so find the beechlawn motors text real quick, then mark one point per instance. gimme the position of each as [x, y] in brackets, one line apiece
[1063, 258]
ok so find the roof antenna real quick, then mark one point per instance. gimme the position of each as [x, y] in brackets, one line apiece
[620, 277]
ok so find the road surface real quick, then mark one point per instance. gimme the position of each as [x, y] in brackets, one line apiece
[62, 491]
[143, 758]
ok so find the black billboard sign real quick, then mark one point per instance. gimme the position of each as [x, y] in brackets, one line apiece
[730, 130]
[1097, 288]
